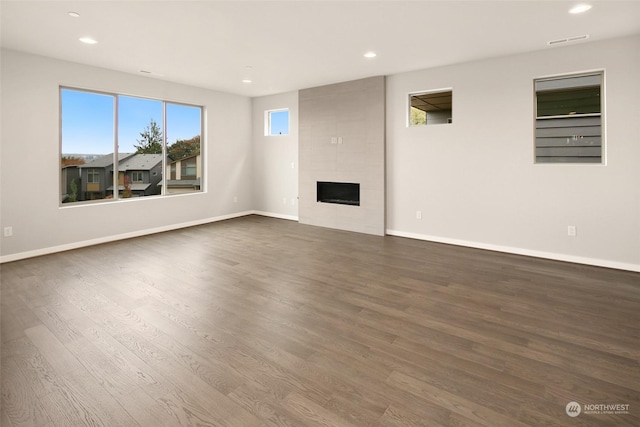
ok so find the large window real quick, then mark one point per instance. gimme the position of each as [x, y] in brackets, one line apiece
[569, 118]
[114, 146]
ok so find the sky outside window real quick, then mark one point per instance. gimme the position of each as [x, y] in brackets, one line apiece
[88, 121]
[279, 122]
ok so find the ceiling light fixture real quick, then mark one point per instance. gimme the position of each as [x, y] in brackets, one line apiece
[74, 14]
[580, 8]
[88, 40]
[370, 54]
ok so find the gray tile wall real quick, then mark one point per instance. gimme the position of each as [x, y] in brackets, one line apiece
[354, 111]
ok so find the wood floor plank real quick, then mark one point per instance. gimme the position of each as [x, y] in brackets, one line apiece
[19, 403]
[260, 321]
[265, 407]
[312, 413]
[452, 402]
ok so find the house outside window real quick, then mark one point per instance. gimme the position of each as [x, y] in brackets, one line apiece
[569, 119]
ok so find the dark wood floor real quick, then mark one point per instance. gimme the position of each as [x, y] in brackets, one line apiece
[259, 321]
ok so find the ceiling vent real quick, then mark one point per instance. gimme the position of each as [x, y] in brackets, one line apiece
[568, 40]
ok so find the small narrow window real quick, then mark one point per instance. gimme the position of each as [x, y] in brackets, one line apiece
[276, 122]
[431, 108]
[569, 117]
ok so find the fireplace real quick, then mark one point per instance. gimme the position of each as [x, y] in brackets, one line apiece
[342, 193]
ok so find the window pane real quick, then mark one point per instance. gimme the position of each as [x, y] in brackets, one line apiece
[140, 142]
[279, 122]
[430, 108]
[87, 145]
[184, 160]
[569, 119]
[559, 102]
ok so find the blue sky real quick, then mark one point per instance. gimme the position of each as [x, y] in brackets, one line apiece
[279, 122]
[88, 121]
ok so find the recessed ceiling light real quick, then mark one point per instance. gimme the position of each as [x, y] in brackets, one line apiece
[74, 14]
[246, 80]
[370, 55]
[580, 8]
[88, 40]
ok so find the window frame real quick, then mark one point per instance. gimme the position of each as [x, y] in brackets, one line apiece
[410, 107]
[115, 170]
[537, 119]
[267, 121]
[135, 174]
[95, 174]
[185, 165]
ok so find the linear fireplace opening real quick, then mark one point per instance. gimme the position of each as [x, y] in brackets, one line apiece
[342, 193]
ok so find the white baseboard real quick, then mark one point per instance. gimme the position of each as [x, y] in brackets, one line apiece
[107, 239]
[520, 251]
[276, 215]
[437, 239]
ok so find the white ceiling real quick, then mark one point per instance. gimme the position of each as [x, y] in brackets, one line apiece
[297, 44]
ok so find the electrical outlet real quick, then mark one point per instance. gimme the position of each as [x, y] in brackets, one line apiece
[235, 199]
[571, 231]
[8, 231]
[418, 214]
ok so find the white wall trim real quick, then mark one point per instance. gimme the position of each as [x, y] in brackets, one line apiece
[107, 239]
[519, 251]
[277, 215]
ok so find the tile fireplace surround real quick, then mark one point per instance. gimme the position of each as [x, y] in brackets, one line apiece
[342, 140]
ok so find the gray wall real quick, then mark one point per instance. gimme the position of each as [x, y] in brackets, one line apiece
[30, 187]
[475, 181]
[275, 159]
